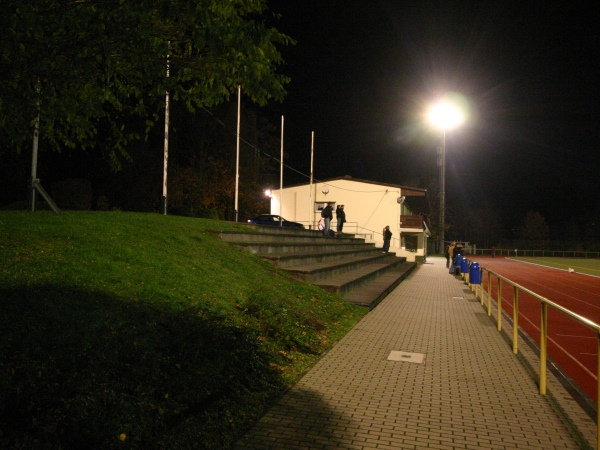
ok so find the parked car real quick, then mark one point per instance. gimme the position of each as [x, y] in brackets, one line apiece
[273, 220]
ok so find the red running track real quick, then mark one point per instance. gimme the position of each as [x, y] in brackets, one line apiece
[572, 346]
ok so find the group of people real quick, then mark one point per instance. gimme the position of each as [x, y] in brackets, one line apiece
[327, 215]
[340, 215]
[452, 251]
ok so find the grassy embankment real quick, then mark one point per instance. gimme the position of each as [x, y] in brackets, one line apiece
[128, 330]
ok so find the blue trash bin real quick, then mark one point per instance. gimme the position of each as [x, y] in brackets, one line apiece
[464, 265]
[474, 274]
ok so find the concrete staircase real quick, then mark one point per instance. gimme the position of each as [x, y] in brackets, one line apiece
[345, 265]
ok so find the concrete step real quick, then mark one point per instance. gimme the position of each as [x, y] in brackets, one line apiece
[289, 231]
[291, 259]
[344, 265]
[268, 237]
[283, 230]
[371, 293]
[344, 283]
[326, 245]
[313, 272]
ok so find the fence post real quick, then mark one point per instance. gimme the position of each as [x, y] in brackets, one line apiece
[516, 320]
[543, 347]
[489, 286]
[489, 294]
[481, 284]
[598, 395]
[499, 320]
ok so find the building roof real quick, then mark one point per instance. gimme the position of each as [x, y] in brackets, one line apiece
[406, 190]
[416, 198]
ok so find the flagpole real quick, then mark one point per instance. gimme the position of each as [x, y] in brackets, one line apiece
[166, 146]
[237, 158]
[312, 153]
[281, 178]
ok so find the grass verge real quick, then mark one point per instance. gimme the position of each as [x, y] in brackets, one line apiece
[124, 330]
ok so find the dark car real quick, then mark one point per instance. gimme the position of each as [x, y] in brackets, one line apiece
[273, 220]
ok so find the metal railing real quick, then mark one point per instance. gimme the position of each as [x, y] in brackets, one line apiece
[355, 229]
[545, 304]
[358, 231]
[362, 232]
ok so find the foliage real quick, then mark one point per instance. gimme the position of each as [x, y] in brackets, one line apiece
[534, 229]
[202, 171]
[87, 69]
[197, 190]
[74, 194]
[590, 224]
[478, 225]
[124, 330]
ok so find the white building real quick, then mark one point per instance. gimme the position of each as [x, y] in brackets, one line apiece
[369, 207]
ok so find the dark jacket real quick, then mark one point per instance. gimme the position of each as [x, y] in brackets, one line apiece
[457, 251]
[387, 235]
[327, 212]
[340, 215]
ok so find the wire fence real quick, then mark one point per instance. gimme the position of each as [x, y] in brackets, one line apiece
[535, 253]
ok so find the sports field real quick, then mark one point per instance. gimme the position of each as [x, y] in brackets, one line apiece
[580, 265]
[572, 283]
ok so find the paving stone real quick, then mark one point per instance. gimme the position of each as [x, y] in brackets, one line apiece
[470, 393]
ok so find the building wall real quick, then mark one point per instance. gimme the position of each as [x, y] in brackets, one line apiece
[369, 208]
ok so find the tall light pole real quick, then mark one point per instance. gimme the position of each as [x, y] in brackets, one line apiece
[444, 116]
[442, 192]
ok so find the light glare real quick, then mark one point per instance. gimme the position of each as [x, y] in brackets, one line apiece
[445, 116]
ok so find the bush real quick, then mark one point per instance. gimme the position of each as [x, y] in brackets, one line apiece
[73, 194]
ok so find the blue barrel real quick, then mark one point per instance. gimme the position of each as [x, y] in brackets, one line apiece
[475, 274]
[464, 265]
[459, 259]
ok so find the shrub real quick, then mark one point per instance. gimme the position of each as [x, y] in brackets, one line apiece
[73, 194]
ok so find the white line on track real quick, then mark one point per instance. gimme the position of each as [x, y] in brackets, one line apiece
[550, 267]
[577, 336]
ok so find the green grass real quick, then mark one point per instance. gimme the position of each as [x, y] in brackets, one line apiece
[581, 265]
[124, 330]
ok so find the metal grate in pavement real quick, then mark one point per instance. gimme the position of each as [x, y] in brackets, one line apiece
[418, 358]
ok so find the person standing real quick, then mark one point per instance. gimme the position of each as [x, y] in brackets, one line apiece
[493, 251]
[458, 250]
[447, 255]
[387, 238]
[340, 215]
[327, 215]
[451, 256]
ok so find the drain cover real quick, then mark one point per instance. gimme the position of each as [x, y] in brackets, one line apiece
[418, 358]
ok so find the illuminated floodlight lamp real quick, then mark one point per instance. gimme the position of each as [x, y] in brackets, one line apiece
[445, 116]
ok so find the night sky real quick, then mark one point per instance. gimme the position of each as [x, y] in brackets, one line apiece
[363, 74]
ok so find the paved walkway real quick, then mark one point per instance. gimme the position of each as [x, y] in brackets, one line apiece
[470, 391]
